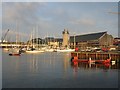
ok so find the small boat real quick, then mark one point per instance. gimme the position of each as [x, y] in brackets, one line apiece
[14, 54]
[103, 61]
[65, 50]
[33, 50]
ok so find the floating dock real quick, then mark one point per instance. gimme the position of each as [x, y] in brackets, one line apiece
[97, 56]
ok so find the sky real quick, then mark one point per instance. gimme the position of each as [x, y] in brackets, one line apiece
[51, 18]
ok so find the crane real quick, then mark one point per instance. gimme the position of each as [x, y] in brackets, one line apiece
[3, 38]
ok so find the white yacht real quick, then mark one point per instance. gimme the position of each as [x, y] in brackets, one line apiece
[33, 50]
[65, 50]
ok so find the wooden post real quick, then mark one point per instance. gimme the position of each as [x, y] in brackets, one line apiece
[77, 54]
[96, 56]
[109, 55]
[87, 56]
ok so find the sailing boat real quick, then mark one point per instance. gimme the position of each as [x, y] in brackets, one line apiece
[33, 49]
[15, 50]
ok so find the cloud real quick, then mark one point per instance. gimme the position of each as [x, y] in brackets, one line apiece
[23, 13]
[83, 21]
[114, 12]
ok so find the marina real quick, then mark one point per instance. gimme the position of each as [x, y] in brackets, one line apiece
[60, 45]
[38, 65]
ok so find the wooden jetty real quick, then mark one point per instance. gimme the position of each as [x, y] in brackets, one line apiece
[97, 56]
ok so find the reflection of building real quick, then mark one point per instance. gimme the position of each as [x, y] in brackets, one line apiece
[65, 38]
[100, 39]
[92, 66]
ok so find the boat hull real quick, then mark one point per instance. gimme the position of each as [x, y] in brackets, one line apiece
[14, 54]
[34, 51]
[66, 50]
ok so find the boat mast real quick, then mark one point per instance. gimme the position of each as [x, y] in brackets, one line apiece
[74, 41]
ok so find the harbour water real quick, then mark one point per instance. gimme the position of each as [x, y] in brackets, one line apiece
[54, 70]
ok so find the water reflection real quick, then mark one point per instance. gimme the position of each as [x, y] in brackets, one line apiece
[34, 63]
[84, 65]
[41, 70]
[66, 63]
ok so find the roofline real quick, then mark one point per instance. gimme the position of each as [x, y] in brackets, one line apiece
[103, 35]
[90, 33]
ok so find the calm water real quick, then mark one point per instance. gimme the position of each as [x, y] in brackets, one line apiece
[54, 70]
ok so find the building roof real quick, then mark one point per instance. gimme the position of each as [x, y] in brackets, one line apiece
[87, 37]
[59, 39]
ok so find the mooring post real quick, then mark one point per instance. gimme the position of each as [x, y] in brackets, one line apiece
[109, 55]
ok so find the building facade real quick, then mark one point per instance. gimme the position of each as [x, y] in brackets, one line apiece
[100, 39]
[54, 42]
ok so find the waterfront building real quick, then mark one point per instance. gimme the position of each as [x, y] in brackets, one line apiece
[54, 42]
[100, 39]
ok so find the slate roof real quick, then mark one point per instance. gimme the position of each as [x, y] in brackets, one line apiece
[87, 37]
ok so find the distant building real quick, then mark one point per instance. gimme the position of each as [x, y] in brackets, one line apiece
[59, 41]
[100, 39]
[55, 42]
[36, 41]
[116, 41]
[65, 38]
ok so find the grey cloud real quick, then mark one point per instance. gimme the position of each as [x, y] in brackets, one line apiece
[24, 13]
[83, 21]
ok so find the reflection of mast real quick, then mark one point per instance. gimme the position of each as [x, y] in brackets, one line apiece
[66, 63]
[34, 65]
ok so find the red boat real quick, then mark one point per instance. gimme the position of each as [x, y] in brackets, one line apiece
[14, 54]
[103, 61]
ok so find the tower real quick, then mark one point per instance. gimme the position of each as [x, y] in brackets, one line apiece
[65, 38]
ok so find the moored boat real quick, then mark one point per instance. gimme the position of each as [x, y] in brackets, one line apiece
[14, 54]
[65, 50]
[33, 50]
